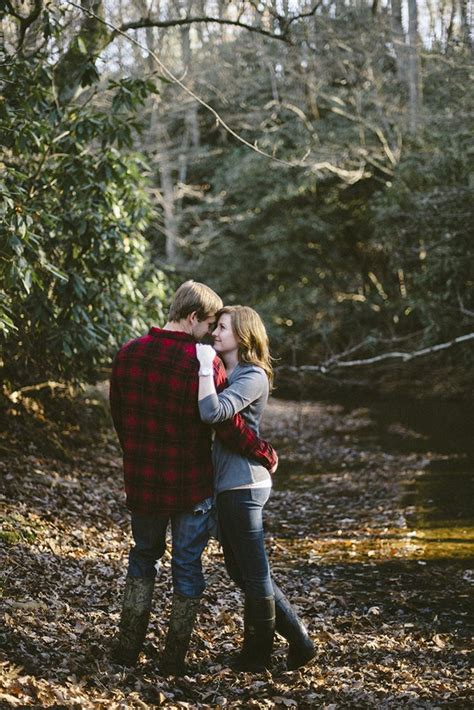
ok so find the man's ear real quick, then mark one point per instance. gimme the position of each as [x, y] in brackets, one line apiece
[192, 318]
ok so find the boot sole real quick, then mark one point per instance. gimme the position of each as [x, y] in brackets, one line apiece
[305, 662]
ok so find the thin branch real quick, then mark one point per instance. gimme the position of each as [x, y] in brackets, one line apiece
[350, 176]
[304, 14]
[18, 394]
[297, 111]
[334, 363]
[174, 79]
[284, 22]
[378, 166]
[348, 351]
[11, 11]
[465, 311]
[27, 21]
[367, 124]
[179, 22]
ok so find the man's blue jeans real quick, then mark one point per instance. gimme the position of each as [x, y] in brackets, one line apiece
[240, 516]
[189, 535]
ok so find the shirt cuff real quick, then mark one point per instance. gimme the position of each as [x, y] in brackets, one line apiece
[209, 408]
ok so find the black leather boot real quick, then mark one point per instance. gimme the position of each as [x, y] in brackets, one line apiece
[301, 649]
[181, 624]
[136, 607]
[259, 629]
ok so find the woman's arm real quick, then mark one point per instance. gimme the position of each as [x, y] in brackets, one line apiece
[213, 407]
[246, 388]
[237, 436]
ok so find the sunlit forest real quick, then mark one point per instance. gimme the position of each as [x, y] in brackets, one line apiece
[312, 159]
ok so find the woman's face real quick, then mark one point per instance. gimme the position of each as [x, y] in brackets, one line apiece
[224, 338]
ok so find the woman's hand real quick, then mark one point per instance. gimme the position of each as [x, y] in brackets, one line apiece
[205, 354]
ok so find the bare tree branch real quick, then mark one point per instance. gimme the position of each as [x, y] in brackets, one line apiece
[180, 22]
[284, 21]
[350, 176]
[18, 394]
[334, 363]
[367, 124]
[12, 12]
[24, 20]
[465, 311]
[312, 12]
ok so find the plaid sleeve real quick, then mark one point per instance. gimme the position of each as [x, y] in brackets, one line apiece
[237, 435]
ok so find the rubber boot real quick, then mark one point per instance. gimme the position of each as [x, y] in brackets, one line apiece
[301, 649]
[181, 624]
[136, 607]
[259, 629]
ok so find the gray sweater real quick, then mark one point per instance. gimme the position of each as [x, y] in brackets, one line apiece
[247, 393]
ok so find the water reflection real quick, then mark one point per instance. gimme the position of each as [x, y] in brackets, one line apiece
[394, 486]
[410, 425]
[440, 496]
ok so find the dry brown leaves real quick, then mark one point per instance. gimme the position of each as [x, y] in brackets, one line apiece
[389, 620]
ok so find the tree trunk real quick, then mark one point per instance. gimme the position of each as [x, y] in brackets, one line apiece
[157, 135]
[398, 38]
[91, 39]
[414, 69]
[465, 24]
[192, 123]
[167, 192]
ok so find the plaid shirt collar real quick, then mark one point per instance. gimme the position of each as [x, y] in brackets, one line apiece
[173, 334]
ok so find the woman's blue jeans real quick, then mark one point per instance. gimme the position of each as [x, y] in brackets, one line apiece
[240, 516]
[189, 535]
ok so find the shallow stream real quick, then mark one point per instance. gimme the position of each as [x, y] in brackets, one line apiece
[426, 452]
[374, 503]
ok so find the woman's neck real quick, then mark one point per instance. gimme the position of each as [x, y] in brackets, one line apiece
[231, 360]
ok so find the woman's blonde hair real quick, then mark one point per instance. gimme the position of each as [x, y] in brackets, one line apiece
[251, 336]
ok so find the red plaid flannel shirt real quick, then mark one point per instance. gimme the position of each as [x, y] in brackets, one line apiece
[166, 447]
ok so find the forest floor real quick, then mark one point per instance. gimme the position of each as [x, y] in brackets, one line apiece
[383, 587]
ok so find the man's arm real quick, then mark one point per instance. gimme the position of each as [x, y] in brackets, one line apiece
[238, 436]
[114, 399]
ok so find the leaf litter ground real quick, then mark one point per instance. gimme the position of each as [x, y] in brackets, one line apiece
[387, 603]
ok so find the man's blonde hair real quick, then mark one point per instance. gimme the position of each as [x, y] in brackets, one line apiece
[194, 296]
[251, 335]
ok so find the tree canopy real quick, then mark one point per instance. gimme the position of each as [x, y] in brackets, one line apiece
[315, 165]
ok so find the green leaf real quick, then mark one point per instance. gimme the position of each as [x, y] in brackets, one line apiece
[82, 45]
[55, 271]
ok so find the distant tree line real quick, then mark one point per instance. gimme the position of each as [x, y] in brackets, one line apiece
[350, 235]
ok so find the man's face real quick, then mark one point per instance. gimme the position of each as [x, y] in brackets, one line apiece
[201, 328]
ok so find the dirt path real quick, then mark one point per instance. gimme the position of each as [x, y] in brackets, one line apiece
[387, 602]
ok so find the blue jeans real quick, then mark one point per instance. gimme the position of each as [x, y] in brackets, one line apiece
[189, 535]
[240, 516]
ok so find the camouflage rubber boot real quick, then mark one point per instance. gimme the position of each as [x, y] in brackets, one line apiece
[136, 609]
[181, 624]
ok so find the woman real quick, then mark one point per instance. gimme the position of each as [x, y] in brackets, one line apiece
[242, 487]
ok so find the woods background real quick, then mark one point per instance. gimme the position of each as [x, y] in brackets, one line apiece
[313, 160]
[132, 159]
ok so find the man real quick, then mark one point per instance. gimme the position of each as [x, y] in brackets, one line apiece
[167, 467]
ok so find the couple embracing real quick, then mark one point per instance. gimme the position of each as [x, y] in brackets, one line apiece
[168, 393]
